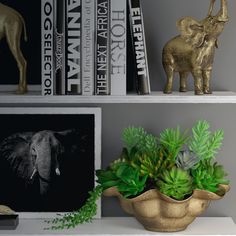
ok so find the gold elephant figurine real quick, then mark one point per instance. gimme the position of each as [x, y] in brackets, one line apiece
[11, 25]
[193, 50]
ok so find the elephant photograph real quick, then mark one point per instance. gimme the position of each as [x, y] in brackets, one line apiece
[47, 161]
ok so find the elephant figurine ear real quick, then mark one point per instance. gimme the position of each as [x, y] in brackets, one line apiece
[191, 31]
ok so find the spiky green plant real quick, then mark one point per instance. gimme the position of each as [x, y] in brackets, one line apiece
[141, 151]
[137, 140]
[172, 141]
[133, 136]
[149, 165]
[204, 143]
[208, 176]
[186, 160]
[175, 183]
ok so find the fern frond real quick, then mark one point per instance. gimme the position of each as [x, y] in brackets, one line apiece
[214, 144]
[203, 143]
[200, 136]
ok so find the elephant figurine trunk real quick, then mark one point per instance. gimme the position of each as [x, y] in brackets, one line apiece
[193, 50]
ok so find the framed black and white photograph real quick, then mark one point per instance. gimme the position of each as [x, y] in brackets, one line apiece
[48, 158]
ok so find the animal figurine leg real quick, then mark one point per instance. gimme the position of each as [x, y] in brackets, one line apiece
[183, 81]
[206, 74]
[197, 75]
[13, 40]
[170, 76]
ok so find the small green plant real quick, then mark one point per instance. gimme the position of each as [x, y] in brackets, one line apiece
[186, 160]
[208, 176]
[85, 214]
[149, 165]
[175, 183]
[126, 178]
[137, 141]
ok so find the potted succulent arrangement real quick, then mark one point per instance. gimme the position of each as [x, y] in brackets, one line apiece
[164, 182]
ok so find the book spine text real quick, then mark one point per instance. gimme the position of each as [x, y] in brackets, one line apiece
[118, 42]
[139, 47]
[88, 41]
[47, 56]
[102, 48]
[59, 6]
[73, 48]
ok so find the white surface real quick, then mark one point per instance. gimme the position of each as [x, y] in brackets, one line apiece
[155, 97]
[126, 226]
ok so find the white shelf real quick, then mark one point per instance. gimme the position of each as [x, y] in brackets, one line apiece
[155, 97]
[122, 226]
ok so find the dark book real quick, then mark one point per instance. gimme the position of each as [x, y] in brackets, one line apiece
[130, 66]
[139, 47]
[59, 48]
[9, 222]
[31, 49]
[102, 48]
[73, 47]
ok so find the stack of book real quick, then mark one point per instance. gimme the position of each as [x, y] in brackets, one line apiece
[84, 47]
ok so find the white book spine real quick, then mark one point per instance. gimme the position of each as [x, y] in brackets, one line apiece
[47, 57]
[88, 42]
[118, 44]
[73, 47]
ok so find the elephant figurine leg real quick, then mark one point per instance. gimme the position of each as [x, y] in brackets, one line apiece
[197, 75]
[206, 74]
[183, 81]
[170, 76]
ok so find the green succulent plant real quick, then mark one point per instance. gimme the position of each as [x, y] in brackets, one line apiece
[138, 140]
[147, 162]
[186, 160]
[149, 165]
[123, 176]
[208, 176]
[204, 143]
[175, 183]
[172, 141]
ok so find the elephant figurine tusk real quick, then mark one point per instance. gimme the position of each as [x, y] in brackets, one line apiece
[5, 210]
[33, 174]
[58, 172]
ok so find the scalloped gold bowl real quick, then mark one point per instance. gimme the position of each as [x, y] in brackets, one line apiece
[158, 212]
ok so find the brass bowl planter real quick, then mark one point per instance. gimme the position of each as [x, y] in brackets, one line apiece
[158, 212]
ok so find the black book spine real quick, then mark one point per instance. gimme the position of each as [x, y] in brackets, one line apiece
[59, 46]
[102, 82]
[73, 47]
[139, 47]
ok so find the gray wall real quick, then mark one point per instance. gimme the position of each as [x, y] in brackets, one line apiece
[160, 17]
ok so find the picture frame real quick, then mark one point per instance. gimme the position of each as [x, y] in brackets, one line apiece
[73, 138]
